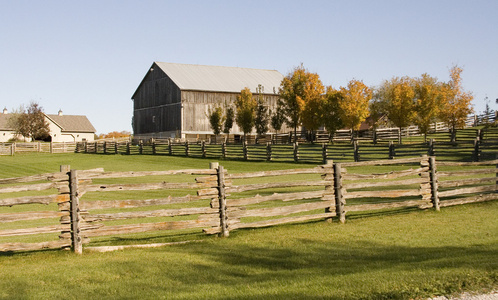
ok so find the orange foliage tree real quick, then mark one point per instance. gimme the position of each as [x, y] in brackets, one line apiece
[428, 102]
[245, 106]
[457, 104]
[354, 103]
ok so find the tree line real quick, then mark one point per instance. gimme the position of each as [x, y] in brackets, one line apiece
[305, 101]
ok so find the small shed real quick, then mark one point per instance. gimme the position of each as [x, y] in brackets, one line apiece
[173, 99]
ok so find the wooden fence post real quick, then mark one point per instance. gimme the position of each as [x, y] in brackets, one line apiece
[203, 149]
[391, 150]
[434, 182]
[12, 149]
[222, 200]
[324, 153]
[51, 147]
[170, 148]
[116, 146]
[244, 150]
[223, 149]
[328, 176]
[339, 199]
[475, 154]
[356, 149]
[128, 148]
[430, 151]
[375, 136]
[141, 147]
[268, 151]
[296, 152]
[105, 147]
[153, 147]
[187, 150]
[75, 213]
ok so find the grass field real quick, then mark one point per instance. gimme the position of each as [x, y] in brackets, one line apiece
[402, 254]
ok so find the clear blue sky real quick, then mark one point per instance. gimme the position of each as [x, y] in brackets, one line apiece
[88, 57]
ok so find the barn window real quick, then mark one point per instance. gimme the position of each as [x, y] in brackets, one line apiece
[153, 119]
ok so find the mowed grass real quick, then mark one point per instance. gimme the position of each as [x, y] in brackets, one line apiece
[400, 254]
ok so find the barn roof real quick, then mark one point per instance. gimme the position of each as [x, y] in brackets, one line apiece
[221, 79]
[4, 119]
[72, 123]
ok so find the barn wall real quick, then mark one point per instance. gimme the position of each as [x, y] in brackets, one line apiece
[156, 104]
[197, 103]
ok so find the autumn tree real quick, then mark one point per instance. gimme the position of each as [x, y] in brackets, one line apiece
[427, 102]
[115, 135]
[331, 111]
[291, 92]
[30, 122]
[354, 103]
[457, 104]
[312, 113]
[215, 117]
[298, 89]
[244, 108]
[399, 101]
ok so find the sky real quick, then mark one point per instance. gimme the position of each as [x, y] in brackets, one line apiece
[88, 57]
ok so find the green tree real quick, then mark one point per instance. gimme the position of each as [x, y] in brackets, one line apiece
[244, 107]
[215, 116]
[261, 118]
[30, 122]
[331, 117]
[278, 116]
[229, 118]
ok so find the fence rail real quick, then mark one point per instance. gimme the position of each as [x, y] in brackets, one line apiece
[472, 145]
[216, 201]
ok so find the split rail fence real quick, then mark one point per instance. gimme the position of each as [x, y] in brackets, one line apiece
[215, 201]
[13, 148]
[472, 145]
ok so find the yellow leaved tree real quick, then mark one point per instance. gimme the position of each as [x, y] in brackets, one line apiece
[354, 104]
[456, 103]
[428, 102]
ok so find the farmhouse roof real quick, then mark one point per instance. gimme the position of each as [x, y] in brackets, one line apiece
[220, 79]
[72, 123]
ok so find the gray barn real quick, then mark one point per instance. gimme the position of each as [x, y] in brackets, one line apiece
[173, 99]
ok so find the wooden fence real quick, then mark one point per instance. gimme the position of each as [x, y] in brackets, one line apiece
[472, 145]
[216, 201]
[12, 148]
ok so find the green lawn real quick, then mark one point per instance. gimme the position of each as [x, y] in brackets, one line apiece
[399, 254]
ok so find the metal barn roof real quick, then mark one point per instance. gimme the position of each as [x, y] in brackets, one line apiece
[221, 79]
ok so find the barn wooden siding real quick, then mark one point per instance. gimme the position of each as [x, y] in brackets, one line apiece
[156, 104]
[196, 104]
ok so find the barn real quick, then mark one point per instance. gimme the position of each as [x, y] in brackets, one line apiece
[173, 99]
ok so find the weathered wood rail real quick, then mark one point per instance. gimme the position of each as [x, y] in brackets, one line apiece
[215, 201]
[472, 145]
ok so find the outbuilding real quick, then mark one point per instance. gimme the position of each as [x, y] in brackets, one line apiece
[172, 101]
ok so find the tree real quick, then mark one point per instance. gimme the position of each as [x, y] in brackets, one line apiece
[354, 103]
[229, 118]
[30, 122]
[399, 97]
[244, 107]
[291, 92]
[261, 118]
[278, 116]
[427, 102]
[457, 104]
[331, 111]
[296, 89]
[215, 116]
[312, 113]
